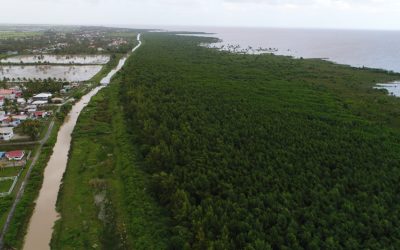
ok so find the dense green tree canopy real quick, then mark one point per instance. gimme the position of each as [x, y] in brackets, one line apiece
[264, 152]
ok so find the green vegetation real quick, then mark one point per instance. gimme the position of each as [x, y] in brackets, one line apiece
[103, 201]
[17, 34]
[262, 151]
[33, 88]
[5, 185]
[32, 128]
[242, 151]
[65, 40]
[24, 210]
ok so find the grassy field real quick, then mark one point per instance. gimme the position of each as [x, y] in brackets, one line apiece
[94, 196]
[5, 185]
[14, 34]
[9, 172]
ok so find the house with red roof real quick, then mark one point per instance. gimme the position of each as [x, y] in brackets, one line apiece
[8, 93]
[40, 114]
[16, 155]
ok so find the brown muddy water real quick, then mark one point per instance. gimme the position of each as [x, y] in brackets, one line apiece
[41, 224]
[44, 216]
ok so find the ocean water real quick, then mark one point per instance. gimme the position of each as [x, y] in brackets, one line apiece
[358, 48]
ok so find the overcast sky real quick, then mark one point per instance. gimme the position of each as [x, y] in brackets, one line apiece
[364, 14]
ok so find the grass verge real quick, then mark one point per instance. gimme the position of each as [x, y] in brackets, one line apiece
[103, 201]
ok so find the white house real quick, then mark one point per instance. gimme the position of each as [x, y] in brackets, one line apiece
[42, 97]
[40, 103]
[21, 101]
[6, 133]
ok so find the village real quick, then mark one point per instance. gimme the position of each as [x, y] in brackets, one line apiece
[44, 75]
[25, 118]
[40, 76]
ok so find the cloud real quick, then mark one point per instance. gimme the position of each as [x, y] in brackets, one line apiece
[288, 13]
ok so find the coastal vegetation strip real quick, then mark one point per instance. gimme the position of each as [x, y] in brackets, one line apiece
[243, 151]
[263, 151]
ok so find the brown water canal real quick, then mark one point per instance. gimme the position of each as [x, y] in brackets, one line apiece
[44, 216]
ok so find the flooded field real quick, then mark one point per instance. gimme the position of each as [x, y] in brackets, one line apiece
[58, 59]
[71, 73]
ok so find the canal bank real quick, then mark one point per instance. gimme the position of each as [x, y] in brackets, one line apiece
[44, 216]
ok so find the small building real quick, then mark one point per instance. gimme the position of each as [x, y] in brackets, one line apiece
[21, 101]
[2, 154]
[40, 114]
[40, 103]
[10, 122]
[42, 97]
[2, 98]
[16, 155]
[20, 117]
[31, 107]
[6, 133]
[8, 93]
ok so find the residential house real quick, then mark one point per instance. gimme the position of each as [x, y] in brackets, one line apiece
[20, 117]
[40, 103]
[6, 133]
[21, 101]
[42, 97]
[9, 121]
[16, 155]
[40, 114]
[7, 93]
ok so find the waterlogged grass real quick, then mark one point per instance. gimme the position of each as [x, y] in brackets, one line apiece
[103, 202]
